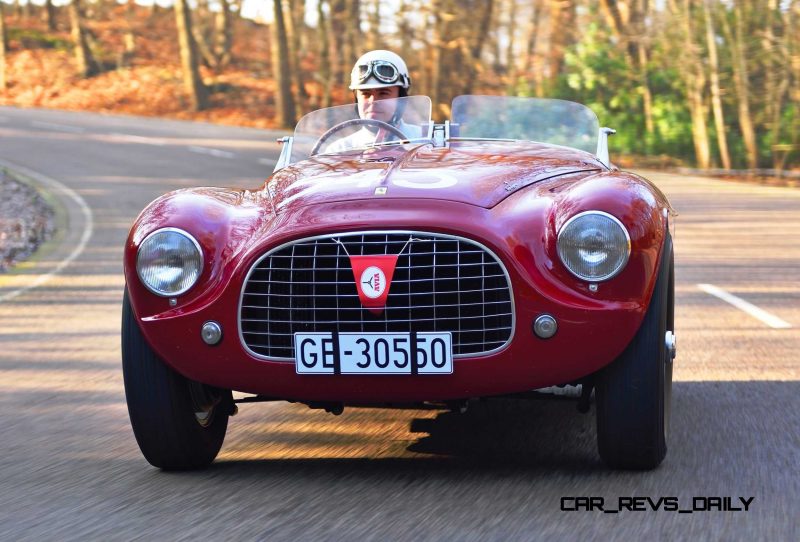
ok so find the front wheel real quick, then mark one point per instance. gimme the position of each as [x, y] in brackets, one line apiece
[634, 393]
[179, 424]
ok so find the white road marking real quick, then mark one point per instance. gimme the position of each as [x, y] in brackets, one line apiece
[212, 152]
[769, 319]
[88, 229]
[58, 127]
[127, 138]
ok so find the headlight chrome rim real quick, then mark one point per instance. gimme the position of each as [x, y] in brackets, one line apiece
[600, 278]
[199, 270]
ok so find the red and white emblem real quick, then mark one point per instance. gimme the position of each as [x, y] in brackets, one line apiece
[373, 282]
[373, 276]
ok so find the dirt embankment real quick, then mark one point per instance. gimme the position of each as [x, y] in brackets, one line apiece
[26, 221]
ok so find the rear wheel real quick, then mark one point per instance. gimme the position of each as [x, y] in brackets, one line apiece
[634, 393]
[178, 423]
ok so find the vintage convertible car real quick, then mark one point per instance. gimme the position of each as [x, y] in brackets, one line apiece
[496, 254]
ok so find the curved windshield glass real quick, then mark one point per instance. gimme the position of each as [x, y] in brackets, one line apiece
[353, 128]
[534, 119]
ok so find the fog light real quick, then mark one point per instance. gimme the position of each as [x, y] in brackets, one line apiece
[211, 333]
[545, 326]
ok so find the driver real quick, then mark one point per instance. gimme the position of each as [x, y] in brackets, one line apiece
[378, 76]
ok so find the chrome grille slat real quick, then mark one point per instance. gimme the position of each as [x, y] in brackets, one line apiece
[400, 245]
[411, 293]
[393, 281]
[292, 334]
[441, 283]
[393, 319]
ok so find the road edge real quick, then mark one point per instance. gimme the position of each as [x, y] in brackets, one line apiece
[74, 228]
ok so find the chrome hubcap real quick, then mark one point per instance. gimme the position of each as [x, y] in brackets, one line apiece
[203, 403]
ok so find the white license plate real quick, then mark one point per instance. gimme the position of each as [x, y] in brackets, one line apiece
[373, 353]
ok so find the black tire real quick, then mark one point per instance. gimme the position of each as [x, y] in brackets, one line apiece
[179, 424]
[634, 393]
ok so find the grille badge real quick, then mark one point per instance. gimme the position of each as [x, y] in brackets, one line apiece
[373, 276]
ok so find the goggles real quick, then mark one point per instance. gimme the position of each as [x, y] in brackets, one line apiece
[383, 71]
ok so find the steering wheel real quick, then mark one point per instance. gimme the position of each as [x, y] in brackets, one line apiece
[355, 122]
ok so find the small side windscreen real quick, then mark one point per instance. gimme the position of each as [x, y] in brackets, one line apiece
[556, 122]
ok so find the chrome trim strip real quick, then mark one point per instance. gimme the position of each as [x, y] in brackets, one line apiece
[378, 232]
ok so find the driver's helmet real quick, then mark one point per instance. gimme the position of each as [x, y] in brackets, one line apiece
[378, 69]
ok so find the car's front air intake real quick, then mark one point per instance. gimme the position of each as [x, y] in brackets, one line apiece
[441, 283]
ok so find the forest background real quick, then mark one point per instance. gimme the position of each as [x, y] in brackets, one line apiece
[708, 83]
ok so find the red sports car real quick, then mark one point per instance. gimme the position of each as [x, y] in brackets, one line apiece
[407, 263]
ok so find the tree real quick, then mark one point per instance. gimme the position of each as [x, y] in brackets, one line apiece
[532, 68]
[284, 101]
[50, 15]
[629, 29]
[192, 82]
[562, 36]
[716, 99]
[295, 23]
[325, 76]
[3, 47]
[87, 65]
[741, 77]
[213, 34]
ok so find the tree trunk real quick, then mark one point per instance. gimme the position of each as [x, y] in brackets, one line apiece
[354, 47]
[562, 22]
[129, 38]
[374, 36]
[223, 30]
[87, 66]
[511, 62]
[294, 25]
[192, 82]
[716, 100]
[532, 68]
[339, 57]
[323, 50]
[741, 79]
[475, 50]
[50, 15]
[3, 47]
[404, 27]
[440, 32]
[778, 62]
[284, 101]
[694, 78]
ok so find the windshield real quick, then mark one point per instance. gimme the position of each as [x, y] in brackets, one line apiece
[534, 119]
[344, 128]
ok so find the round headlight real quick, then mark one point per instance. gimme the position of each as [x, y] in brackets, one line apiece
[594, 246]
[169, 262]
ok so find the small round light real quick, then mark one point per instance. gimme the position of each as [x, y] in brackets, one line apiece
[211, 333]
[594, 246]
[545, 326]
[169, 262]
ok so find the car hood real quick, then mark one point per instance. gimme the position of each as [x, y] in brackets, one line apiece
[476, 173]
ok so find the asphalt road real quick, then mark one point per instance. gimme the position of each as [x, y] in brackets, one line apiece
[71, 468]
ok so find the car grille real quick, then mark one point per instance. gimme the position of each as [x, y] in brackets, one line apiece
[441, 283]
